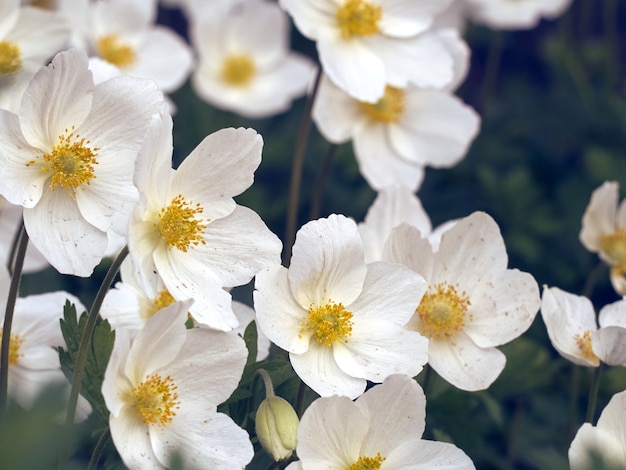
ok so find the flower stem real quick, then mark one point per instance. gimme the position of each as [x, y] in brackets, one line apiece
[14, 288]
[319, 186]
[296, 171]
[97, 451]
[85, 343]
[593, 394]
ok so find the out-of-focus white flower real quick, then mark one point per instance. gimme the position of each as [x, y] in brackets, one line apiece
[245, 65]
[341, 320]
[162, 389]
[604, 231]
[28, 37]
[365, 45]
[405, 130]
[604, 441]
[68, 158]
[571, 323]
[517, 14]
[123, 33]
[188, 231]
[473, 303]
[382, 429]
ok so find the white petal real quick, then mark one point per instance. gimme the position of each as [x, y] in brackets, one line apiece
[465, 365]
[313, 18]
[327, 263]
[335, 112]
[132, 440]
[599, 217]
[425, 455]
[406, 245]
[403, 18]
[613, 314]
[609, 344]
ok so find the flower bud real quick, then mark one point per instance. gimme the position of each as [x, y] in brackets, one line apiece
[276, 427]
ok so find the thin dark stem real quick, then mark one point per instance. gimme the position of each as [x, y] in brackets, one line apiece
[85, 342]
[300, 398]
[593, 394]
[592, 279]
[296, 172]
[14, 288]
[319, 186]
[13, 252]
[97, 451]
[572, 416]
[492, 68]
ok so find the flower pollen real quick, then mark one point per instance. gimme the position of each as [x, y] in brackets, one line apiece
[367, 463]
[115, 51]
[163, 299]
[388, 109]
[10, 58]
[442, 312]
[178, 224]
[584, 344]
[14, 348]
[238, 70]
[614, 246]
[71, 162]
[155, 400]
[329, 323]
[358, 18]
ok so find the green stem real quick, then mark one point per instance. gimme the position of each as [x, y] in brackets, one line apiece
[319, 186]
[593, 394]
[572, 417]
[85, 343]
[14, 288]
[267, 381]
[296, 171]
[97, 451]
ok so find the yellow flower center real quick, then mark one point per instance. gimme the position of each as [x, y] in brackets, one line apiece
[10, 58]
[389, 108]
[367, 463]
[115, 51]
[71, 162]
[163, 299]
[178, 224]
[238, 70]
[155, 400]
[358, 18]
[329, 323]
[584, 344]
[442, 312]
[614, 246]
[15, 341]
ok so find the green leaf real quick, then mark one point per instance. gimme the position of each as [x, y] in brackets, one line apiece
[97, 356]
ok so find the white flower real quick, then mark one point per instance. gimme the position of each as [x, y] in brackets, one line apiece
[162, 390]
[605, 440]
[604, 231]
[571, 323]
[382, 430]
[515, 14]
[405, 130]
[341, 320]
[69, 156]
[189, 232]
[473, 303]
[123, 33]
[245, 64]
[365, 45]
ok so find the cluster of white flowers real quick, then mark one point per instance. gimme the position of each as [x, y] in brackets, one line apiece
[86, 161]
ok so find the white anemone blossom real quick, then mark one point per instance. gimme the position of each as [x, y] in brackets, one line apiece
[516, 14]
[68, 158]
[604, 231]
[364, 45]
[162, 389]
[382, 429]
[188, 234]
[571, 323]
[341, 321]
[245, 64]
[603, 441]
[473, 303]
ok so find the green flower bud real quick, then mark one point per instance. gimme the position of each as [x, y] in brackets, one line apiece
[276, 427]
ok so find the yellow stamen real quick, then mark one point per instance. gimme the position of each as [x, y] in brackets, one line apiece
[15, 341]
[155, 400]
[329, 323]
[238, 70]
[584, 344]
[112, 49]
[442, 312]
[10, 58]
[613, 246]
[71, 162]
[367, 463]
[178, 224]
[358, 18]
[388, 109]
